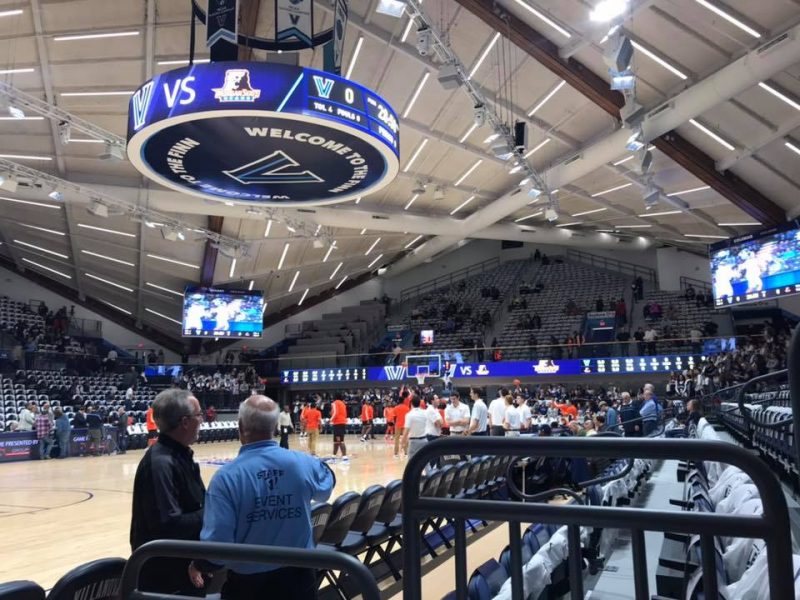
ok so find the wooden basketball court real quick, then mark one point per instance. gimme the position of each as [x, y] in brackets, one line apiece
[58, 514]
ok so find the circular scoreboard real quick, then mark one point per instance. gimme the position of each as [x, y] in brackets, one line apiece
[261, 133]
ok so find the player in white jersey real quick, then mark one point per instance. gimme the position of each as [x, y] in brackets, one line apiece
[194, 315]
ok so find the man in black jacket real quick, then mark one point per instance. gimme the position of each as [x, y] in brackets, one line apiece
[168, 492]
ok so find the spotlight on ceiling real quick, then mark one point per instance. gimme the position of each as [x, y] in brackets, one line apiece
[424, 41]
[8, 182]
[56, 195]
[391, 8]
[635, 141]
[16, 113]
[529, 188]
[318, 243]
[113, 152]
[622, 80]
[551, 214]
[172, 234]
[651, 196]
[618, 53]
[419, 188]
[64, 132]
[448, 76]
[479, 116]
[439, 193]
[607, 10]
[98, 209]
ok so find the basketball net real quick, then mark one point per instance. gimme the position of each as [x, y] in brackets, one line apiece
[421, 379]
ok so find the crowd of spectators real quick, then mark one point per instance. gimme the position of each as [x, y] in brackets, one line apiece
[225, 387]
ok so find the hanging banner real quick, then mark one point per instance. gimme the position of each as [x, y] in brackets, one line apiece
[339, 27]
[221, 22]
[294, 19]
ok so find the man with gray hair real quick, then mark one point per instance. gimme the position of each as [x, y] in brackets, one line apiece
[168, 492]
[263, 497]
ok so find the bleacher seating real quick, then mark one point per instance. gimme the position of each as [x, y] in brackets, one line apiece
[468, 293]
[562, 280]
[687, 316]
[12, 312]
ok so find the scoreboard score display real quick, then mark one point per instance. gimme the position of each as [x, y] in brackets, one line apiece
[264, 133]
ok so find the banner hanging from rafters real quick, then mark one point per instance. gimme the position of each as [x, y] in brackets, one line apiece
[294, 19]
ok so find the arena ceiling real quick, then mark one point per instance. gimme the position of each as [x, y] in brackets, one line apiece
[724, 156]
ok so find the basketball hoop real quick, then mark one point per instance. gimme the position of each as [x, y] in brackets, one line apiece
[421, 378]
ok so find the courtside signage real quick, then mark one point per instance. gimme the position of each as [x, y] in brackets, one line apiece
[262, 133]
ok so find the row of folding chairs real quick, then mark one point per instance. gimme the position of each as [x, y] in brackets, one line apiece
[370, 524]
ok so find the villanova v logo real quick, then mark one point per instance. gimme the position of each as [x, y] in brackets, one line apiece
[395, 373]
[324, 86]
[278, 167]
[140, 103]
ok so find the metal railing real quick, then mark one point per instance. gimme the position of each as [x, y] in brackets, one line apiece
[248, 553]
[772, 526]
[613, 264]
[449, 279]
[697, 284]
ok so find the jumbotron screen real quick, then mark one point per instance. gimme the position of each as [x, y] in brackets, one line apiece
[214, 312]
[757, 267]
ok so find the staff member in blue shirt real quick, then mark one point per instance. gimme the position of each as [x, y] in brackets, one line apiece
[263, 497]
[649, 413]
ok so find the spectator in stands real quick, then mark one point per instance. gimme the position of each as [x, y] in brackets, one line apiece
[650, 337]
[497, 413]
[480, 414]
[700, 299]
[621, 312]
[44, 432]
[695, 338]
[457, 415]
[638, 336]
[628, 413]
[599, 424]
[94, 422]
[110, 361]
[339, 424]
[63, 430]
[690, 292]
[122, 430]
[285, 426]
[27, 417]
[638, 288]
[79, 420]
[168, 491]
[599, 304]
[623, 339]
[611, 420]
[211, 414]
[649, 412]
[263, 497]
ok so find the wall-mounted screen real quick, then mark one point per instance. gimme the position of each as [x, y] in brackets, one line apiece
[214, 312]
[426, 337]
[757, 267]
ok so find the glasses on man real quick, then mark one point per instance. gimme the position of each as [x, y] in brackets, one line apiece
[196, 415]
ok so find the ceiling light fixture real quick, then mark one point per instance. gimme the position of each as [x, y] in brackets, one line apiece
[720, 140]
[462, 205]
[544, 18]
[105, 230]
[40, 204]
[608, 10]
[468, 172]
[303, 297]
[662, 213]
[729, 18]
[780, 95]
[96, 94]
[173, 261]
[353, 60]
[363, 231]
[711, 237]
[16, 72]
[184, 61]
[469, 131]
[338, 285]
[294, 280]
[570, 224]
[410, 202]
[538, 147]
[328, 253]
[689, 191]
[269, 228]
[335, 271]
[104, 257]
[484, 54]
[73, 140]
[412, 242]
[589, 212]
[163, 289]
[375, 260]
[415, 155]
[119, 308]
[40, 249]
[111, 283]
[372, 247]
[546, 98]
[53, 231]
[655, 57]
[94, 36]
[22, 119]
[613, 189]
[250, 285]
[416, 94]
[163, 316]
[283, 255]
[632, 226]
[792, 147]
[35, 264]
[521, 219]
[742, 224]
[10, 13]
[26, 157]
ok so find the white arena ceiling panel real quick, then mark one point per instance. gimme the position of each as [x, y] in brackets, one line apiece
[734, 124]
[369, 63]
[769, 107]
[117, 74]
[91, 49]
[779, 159]
[581, 121]
[115, 270]
[172, 40]
[84, 15]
